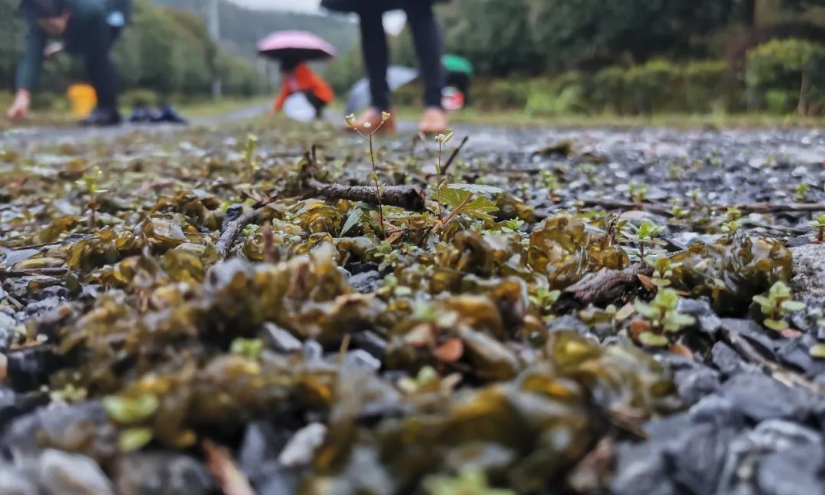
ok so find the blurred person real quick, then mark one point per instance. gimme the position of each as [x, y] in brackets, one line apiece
[297, 77]
[88, 29]
[427, 40]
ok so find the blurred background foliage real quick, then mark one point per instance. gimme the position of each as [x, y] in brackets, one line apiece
[542, 57]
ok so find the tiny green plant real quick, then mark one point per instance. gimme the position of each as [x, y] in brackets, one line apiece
[664, 318]
[544, 299]
[385, 116]
[818, 224]
[90, 182]
[777, 305]
[732, 214]
[638, 191]
[249, 348]
[644, 236]
[549, 181]
[662, 270]
[441, 139]
[801, 192]
[467, 482]
[249, 153]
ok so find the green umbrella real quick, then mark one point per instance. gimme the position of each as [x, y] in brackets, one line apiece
[455, 63]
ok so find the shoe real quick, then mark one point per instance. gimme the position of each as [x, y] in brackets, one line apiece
[370, 120]
[102, 117]
[434, 121]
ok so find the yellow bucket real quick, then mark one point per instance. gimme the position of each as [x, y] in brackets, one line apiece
[83, 99]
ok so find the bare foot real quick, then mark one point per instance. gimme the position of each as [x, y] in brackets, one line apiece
[434, 121]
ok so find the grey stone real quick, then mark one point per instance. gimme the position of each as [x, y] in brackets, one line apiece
[161, 473]
[360, 359]
[808, 270]
[313, 351]
[62, 473]
[260, 447]
[729, 362]
[761, 397]
[64, 424]
[277, 480]
[754, 334]
[706, 318]
[694, 384]
[371, 343]
[281, 340]
[301, 447]
[14, 482]
[697, 456]
[7, 322]
[793, 472]
[367, 282]
[769, 438]
[641, 470]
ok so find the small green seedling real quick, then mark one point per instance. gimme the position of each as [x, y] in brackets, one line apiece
[385, 116]
[248, 348]
[544, 299]
[90, 182]
[664, 318]
[818, 224]
[249, 153]
[638, 191]
[645, 235]
[776, 306]
[468, 482]
[662, 270]
[801, 192]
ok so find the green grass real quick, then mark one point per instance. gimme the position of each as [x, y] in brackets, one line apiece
[62, 116]
[722, 121]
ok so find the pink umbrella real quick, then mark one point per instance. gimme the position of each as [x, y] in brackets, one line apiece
[295, 45]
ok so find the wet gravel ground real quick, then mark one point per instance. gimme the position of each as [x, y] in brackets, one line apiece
[753, 420]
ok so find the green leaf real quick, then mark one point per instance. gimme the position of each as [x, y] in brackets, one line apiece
[817, 351]
[352, 220]
[793, 306]
[455, 197]
[676, 321]
[134, 439]
[649, 339]
[475, 188]
[250, 348]
[777, 325]
[128, 411]
[648, 311]
[480, 208]
[763, 301]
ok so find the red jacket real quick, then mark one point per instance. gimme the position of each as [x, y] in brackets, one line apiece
[300, 80]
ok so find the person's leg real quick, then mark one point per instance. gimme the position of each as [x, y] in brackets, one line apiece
[376, 55]
[99, 67]
[427, 40]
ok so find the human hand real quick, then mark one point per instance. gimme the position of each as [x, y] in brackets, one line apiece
[19, 109]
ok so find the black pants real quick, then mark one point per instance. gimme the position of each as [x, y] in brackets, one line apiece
[317, 103]
[92, 41]
[427, 40]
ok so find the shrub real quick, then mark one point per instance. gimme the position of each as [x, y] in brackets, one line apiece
[609, 90]
[561, 96]
[788, 66]
[140, 97]
[710, 85]
[654, 87]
